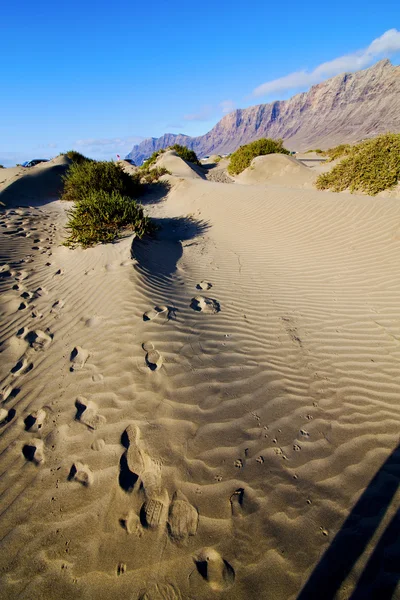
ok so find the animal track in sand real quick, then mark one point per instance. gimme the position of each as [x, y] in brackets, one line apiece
[153, 313]
[204, 285]
[183, 518]
[78, 358]
[121, 569]
[236, 501]
[81, 473]
[59, 272]
[35, 421]
[87, 413]
[238, 463]
[204, 304]
[218, 573]
[57, 306]
[34, 451]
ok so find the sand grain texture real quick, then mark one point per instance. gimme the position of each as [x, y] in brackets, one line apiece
[240, 467]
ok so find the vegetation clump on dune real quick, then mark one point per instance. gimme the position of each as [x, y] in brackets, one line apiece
[371, 167]
[243, 156]
[91, 176]
[338, 152]
[100, 216]
[104, 203]
[186, 154]
[76, 156]
[152, 175]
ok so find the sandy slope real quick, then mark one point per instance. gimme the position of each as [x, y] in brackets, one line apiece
[277, 169]
[222, 449]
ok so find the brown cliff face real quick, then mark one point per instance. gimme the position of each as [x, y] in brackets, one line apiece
[344, 109]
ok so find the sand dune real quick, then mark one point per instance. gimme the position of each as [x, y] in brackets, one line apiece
[178, 167]
[196, 416]
[277, 169]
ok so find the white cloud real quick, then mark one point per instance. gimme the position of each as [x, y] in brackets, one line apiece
[227, 106]
[384, 46]
[204, 114]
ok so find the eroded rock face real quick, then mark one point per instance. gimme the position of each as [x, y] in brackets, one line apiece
[344, 109]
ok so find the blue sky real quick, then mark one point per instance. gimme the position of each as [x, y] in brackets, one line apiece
[99, 76]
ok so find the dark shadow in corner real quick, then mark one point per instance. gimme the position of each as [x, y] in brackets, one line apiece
[382, 573]
[159, 254]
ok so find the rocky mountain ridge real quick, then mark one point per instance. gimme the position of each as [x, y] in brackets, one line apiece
[344, 109]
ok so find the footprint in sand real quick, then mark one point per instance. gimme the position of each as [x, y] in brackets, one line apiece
[218, 573]
[154, 512]
[6, 415]
[135, 463]
[131, 523]
[22, 367]
[204, 304]
[153, 313]
[183, 518]
[59, 272]
[154, 360]
[87, 413]
[78, 358]
[35, 421]
[204, 285]
[5, 271]
[81, 473]
[57, 306]
[34, 451]
[38, 340]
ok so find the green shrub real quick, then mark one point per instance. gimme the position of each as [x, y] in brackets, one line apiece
[101, 216]
[338, 151]
[243, 156]
[76, 157]
[89, 176]
[371, 167]
[153, 175]
[1, 166]
[185, 153]
[152, 159]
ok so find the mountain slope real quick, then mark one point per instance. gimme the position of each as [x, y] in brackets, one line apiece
[346, 108]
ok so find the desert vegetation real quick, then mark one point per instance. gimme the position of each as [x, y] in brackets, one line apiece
[92, 176]
[185, 153]
[104, 207]
[370, 167]
[76, 156]
[243, 156]
[101, 216]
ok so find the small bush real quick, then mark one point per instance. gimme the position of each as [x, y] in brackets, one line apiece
[150, 161]
[2, 167]
[76, 157]
[243, 156]
[371, 167]
[338, 151]
[153, 175]
[185, 153]
[100, 216]
[89, 176]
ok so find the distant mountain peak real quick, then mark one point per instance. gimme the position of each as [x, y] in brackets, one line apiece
[344, 109]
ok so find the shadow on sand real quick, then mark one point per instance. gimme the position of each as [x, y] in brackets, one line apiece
[35, 188]
[382, 572]
[158, 255]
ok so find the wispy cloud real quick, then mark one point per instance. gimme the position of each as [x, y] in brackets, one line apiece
[227, 106]
[384, 46]
[204, 114]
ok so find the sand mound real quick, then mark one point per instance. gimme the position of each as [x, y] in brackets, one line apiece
[34, 185]
[179, 167]
[277, 169]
